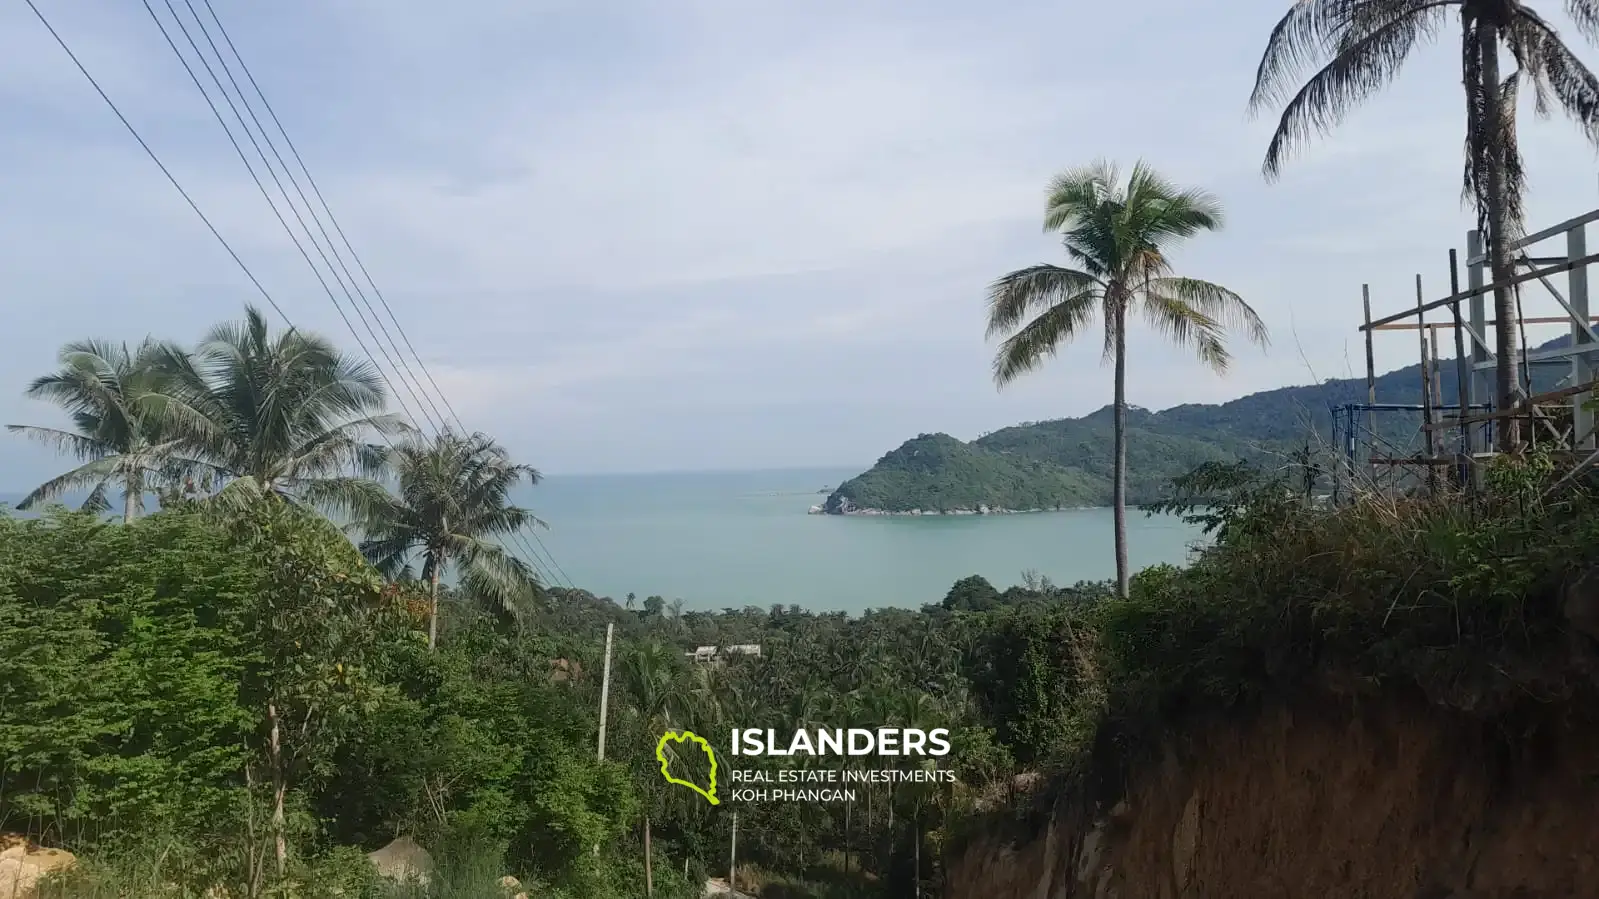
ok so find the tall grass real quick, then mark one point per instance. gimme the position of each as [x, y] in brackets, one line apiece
[1452, 599]
[167, 870]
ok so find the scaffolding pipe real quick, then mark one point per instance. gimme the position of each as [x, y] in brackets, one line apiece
[1371, 365]
[1462, 383]
[1582, 418]
[1426, 386]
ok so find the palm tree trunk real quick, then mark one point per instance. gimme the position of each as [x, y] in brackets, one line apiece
[649, 870]
[433, 610]
[848, 801]
[918, 863]
[280, 787]
[1119, 476]
[132, 496]
[1499, 263]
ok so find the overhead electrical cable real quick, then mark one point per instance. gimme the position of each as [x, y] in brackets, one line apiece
[547, 562]
[404, 370]
[337, 228]
[154, 157]
[267, 195]
[316, 190]
[177, 185]
[158, 163]
[271, 113]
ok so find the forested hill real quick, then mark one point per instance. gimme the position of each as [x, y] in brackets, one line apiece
[1065, 463]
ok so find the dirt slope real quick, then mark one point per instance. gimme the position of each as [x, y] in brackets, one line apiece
[1375, 800]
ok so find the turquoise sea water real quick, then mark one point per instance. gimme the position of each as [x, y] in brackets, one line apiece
[729, 539]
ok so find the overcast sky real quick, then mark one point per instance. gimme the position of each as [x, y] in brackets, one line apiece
[692, 234]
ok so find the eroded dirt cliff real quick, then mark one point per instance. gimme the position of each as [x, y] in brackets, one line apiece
[1369, 799]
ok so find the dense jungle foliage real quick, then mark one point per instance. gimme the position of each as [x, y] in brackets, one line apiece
[169, 681]
[140, 665]
[233, 694]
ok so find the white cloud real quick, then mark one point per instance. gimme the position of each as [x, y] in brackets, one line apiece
[758, 231]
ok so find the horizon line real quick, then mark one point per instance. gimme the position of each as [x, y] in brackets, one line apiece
[763, 469]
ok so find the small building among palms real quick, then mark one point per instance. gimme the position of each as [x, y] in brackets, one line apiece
[713, 655]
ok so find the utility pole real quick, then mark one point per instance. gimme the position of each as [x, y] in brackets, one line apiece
[605, 685]
[605, 696]
[732, 858]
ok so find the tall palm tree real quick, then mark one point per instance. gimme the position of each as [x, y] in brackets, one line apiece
[453, 504]
[652, 677]
[1116, 235]
[276, 413]
[106, 388]
[1360, 45]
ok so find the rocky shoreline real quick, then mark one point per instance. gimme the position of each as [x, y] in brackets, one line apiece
[980, 510]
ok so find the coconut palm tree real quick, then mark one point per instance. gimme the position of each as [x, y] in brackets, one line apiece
[106, 389]
[654, 682]
[1116, 236]
[283, 414]
[453, 506]
[1360, 45]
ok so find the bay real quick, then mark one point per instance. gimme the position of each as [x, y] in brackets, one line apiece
[735, 538]
[729, 539]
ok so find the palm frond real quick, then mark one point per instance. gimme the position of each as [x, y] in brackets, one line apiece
[1042, 337]
[357, 498]
[238, 495]
[500, 580]
[1555, 70]
[1036, 288]
[92, 474]
[96, 501]
[391, 556]
[282, 408]
[1360, 68]
[1297, 42]
[1585, 13]
[65, 442]
[1156, 212]
[1187, 326]
[1218, 303]
[1076, 193]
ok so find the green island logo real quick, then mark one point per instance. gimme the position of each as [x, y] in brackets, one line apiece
[708, 792]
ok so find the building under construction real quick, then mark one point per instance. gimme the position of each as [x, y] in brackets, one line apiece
[1444, 438]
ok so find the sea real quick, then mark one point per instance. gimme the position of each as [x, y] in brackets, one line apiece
[729, 539]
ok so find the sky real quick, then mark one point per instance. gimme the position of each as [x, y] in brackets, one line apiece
[637, 235]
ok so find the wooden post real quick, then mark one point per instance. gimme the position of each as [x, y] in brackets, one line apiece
[1426, 390]
[1462, 377]
[1437, 369]
[1371, 375]
[732, 857]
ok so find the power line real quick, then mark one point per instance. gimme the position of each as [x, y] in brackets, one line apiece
[157, 160]
[404, 370]
[338, 229]
[154, 157]
[249, 167]
[167, 172]
[355, 256]
[401, 369]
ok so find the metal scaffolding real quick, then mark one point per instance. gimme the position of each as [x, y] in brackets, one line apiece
[1452, 437]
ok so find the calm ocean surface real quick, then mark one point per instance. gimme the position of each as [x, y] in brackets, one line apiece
[729, 539]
